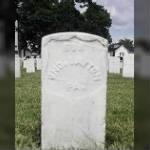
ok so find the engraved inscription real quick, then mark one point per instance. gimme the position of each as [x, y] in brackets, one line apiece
[73, 50]
[85, 65]
[75, 85]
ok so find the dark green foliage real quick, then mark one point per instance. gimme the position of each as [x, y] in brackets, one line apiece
[97, 21]
[126, 43]
[38, 18]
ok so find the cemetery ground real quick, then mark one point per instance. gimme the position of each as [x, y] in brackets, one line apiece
[120, 112]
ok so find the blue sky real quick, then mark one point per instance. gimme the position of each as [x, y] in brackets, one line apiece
[122, 14]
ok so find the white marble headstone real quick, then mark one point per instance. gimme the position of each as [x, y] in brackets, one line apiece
[38, 63]
[74, 82]
[128, 66]
[25, 63]
[30, 65]
[114, 65]
[17, 67]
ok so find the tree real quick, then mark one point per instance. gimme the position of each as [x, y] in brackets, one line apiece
[126, 43]
[38, 18]
[84, 1]
[97, 21]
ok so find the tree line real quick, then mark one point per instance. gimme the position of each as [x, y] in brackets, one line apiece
[38, 18]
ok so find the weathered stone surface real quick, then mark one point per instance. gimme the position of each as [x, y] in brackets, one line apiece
[74, 77]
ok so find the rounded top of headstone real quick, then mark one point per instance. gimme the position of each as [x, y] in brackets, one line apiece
[86, 37]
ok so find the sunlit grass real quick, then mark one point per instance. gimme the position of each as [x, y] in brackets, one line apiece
[119, 130]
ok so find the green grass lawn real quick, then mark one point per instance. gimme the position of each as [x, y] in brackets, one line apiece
[120, 112]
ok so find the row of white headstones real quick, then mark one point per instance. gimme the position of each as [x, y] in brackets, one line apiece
[73, 88]
[124, 67]
[115, 66]
[30, 65]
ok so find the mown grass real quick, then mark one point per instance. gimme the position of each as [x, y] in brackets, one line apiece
[120, 113]
[120, 98]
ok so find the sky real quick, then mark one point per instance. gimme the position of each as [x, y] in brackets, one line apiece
[122, 14]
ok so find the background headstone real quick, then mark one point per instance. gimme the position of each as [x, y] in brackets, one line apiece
[17, 67]
[25, 63]
[38, 63]
[114, 65]
[128, 66]
[74, 82]
[30, 65]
